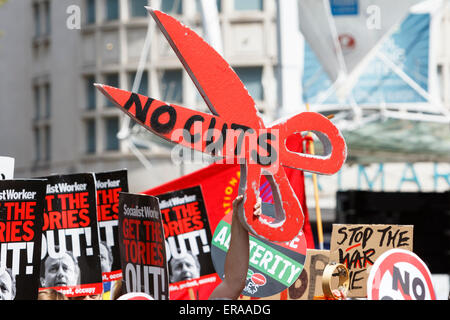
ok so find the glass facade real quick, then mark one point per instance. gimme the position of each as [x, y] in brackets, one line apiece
[112, 10]
[247, 5]
[252, 79]
[91, 144]
[91, 93]
[172, 6]
[137, 8]
[112, 80]
[111, 128]
[171, 86]
[90, 11]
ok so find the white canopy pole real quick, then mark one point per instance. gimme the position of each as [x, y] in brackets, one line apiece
[211, 24]
[125, 130]
[290, 55]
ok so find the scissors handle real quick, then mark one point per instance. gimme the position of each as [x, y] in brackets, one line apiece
[335, 150]
[289, 218]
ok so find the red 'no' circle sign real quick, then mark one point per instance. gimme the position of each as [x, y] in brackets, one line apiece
[399, 275]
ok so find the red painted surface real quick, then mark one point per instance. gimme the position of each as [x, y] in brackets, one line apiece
[234, 115]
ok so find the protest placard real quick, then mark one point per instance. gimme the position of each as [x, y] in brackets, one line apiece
[6, 168]
[188, 242]
[273, 267]
[357, 246]
[70, 241]
[309, 283]
[400, 275]
[21, 206]
[142, 246]
[135, 296]
[109, 184]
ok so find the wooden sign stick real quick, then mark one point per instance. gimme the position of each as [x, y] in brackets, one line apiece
[316, 193]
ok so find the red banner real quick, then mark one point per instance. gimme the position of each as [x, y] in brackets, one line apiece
[219, 184]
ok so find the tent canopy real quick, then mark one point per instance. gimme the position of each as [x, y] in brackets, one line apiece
[398, 140]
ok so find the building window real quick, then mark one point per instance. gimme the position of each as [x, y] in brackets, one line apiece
[172, 6]
[41, 123]
[218, 2]
[37, 20]
[143, 85]
[347, 7]
[112, 128]
[252, 79]
[48, 101]
[37, 145]
[137, 8]
[112, 10]
[172, 86]
[91, 144]
[247, 5]
[48, 140]
[90, 11]
[90, 93]
[47, 18]
[42, 19]
[112, 80]
[37, 102]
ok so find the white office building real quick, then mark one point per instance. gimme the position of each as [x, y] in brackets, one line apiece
[51, 52]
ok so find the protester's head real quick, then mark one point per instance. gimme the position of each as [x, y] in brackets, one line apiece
[7, 284]
[61, 271]
[106, 257]
[51, 294]
[117, 289]
[185, 267]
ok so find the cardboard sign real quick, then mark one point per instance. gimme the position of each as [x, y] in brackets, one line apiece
[21, 205]
[135, 296]
[357, 246]
[109, 185]
[70, 241]
[6, 168]
[234, 132]
[400, 275]
[142, 246]
[309, 283]
[188, 242]
[272, 267]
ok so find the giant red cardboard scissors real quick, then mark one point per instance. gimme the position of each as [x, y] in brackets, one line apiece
[234, 130]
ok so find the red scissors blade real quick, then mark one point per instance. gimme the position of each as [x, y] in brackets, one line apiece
[171, 122]
[220, 87]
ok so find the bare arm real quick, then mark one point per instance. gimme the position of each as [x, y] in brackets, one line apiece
[236, 261]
